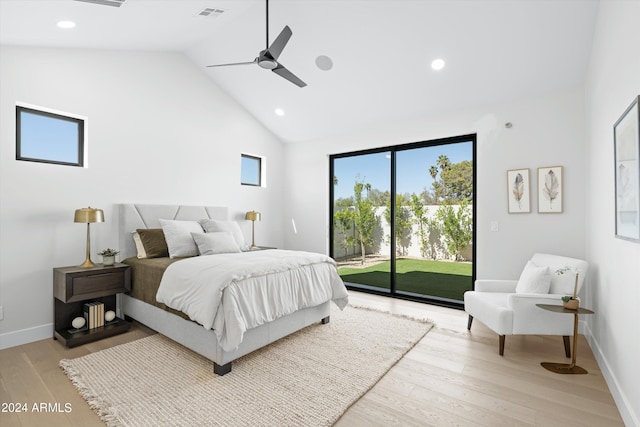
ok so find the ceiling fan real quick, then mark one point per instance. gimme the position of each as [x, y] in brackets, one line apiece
[268, 58]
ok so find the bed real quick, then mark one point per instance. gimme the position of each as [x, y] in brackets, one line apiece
[178, 326]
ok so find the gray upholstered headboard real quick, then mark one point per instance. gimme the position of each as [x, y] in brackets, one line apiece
[134, 216]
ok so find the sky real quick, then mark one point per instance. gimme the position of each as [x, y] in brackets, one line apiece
[48, 138]
[250, 170]
[412, 168]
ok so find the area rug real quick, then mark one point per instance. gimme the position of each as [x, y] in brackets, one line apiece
[309, 378]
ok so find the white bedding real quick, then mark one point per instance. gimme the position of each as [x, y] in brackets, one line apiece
[232, 293]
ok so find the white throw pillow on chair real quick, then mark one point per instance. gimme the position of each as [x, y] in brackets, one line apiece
[534, 280]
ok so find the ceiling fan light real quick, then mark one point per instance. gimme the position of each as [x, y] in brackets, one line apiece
[268, 64]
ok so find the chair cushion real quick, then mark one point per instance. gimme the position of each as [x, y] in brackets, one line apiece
[490, 308]
[534, 279]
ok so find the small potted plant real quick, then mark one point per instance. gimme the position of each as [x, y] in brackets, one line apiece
[570, 302]
[109, 256]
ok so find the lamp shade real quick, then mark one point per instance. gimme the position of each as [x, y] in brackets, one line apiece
[88, 215]
[253, 216]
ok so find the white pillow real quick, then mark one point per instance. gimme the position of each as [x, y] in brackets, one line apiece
[564, 283]
[212, 226]
[141, 253]
[219, 242]
[178, 237]
[534, 280]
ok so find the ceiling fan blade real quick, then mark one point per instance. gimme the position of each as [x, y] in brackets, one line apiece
[234, 63]
[283, 72]
[279, 43]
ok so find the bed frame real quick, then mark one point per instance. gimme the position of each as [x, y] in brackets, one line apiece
[188, 333]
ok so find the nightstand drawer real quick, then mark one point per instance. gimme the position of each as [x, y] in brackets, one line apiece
[97, 285]
[75, 284]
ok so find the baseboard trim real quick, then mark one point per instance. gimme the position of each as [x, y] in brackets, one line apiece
[624, 406]
[25, 336]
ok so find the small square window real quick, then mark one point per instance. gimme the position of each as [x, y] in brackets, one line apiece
[251, 170]
[47, 137]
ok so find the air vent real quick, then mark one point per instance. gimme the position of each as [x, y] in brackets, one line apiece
[211, 12]
[114, 3]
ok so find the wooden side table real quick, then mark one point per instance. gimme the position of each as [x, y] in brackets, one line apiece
[566, 368]
[73, 286]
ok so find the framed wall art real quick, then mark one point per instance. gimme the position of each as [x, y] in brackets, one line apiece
[550, 192]
[626, 139]
[518, 189]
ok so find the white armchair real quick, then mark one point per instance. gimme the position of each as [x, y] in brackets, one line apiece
[507, 312]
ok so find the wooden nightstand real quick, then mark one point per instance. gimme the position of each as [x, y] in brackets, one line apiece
[74, 286]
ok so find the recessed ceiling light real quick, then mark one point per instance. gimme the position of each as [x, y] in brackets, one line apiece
[437, 64]
[66, 24]
[279, 112]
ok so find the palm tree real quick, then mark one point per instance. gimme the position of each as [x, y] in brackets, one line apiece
[443, 162]
[433, 171]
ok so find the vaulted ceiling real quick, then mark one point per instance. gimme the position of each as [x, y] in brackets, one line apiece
[381, 51]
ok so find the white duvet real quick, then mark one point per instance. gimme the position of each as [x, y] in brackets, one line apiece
[232, 293]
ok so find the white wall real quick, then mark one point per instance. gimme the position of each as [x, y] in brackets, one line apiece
[159, 132]
[547, 131]
[614, 286]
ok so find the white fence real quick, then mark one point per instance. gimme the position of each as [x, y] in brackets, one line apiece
[408, 245]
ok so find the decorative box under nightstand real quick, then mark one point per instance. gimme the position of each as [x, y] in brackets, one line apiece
[75, 286]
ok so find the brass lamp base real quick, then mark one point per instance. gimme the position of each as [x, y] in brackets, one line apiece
[563, 368]
[87, 263]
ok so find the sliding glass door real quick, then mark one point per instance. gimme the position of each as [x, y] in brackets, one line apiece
[402, 219]
[361, 191]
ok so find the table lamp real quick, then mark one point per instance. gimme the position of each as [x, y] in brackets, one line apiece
[88, 215]
[253, 216]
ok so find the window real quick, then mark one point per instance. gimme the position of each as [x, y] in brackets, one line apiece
[47, 137]
[402, 219]
[251, 170]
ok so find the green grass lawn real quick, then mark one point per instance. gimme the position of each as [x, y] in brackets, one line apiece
[434, 278]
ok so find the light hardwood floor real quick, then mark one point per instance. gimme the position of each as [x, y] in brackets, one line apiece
[451, 377]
